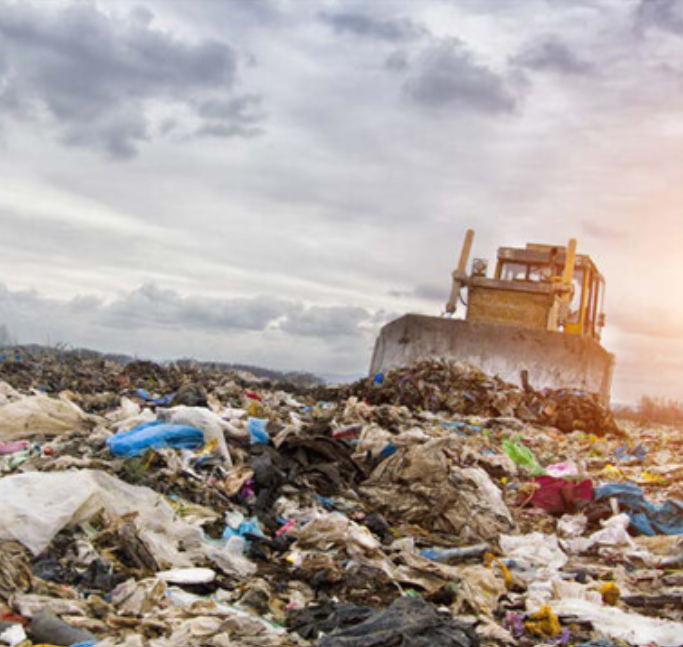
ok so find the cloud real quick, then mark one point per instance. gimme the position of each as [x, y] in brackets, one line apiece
[446, 75]
[153, 308]
[602, 232]
[423, 291]
[326, 321]
[226, 117]
[665, 15]
[391, 30]
[552, 55]
[658, 323]
[101, 78]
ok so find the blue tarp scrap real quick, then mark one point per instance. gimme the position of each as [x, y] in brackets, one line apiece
[646, 518]
[155, 435]
[159, 402]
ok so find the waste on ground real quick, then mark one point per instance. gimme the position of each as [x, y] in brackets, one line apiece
[173, 506]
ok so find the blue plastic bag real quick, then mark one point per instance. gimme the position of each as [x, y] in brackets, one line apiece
[647, 518]
[248, 527]
[257, 431]
[155, 435]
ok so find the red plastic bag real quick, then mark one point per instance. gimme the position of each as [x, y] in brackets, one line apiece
[559, 496]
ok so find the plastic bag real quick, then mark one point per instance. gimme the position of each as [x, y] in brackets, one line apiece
[523, 456]
[647, 518]
[258, 431]
[40, 415]
[48, 628]
[408, 621]
[38, 505]
[243, 528]
[630, 627]
[559, 496]
[155, 435]
[563, 470]
[213, 426]
[533, 551]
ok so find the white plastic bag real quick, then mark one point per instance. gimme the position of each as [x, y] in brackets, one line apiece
[211, 424]
[629, 627]
[41, 415]
[38, 505]
[534, 551]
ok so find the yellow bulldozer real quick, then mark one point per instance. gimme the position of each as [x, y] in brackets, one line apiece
[536, 322]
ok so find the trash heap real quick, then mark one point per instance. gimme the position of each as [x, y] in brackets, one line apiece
[150, 506]
[459, 388]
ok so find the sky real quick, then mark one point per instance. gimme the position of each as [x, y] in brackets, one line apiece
[270, 181]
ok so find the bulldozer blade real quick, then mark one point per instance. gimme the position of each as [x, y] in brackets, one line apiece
[546, 359]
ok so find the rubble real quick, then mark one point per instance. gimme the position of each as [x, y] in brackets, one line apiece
[147, 505]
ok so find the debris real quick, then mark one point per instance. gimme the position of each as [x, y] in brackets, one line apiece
[408, 621]
[561, 496]
[422, 485]
[48, 628]
[633, 628]
[647, 518]
[433, 507]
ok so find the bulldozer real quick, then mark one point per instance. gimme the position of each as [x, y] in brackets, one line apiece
[537, 322]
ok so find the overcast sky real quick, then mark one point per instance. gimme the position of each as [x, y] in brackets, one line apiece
[269, 181]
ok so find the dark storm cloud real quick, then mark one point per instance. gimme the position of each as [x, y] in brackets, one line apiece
[446, 75]
[666, 15]
[551, 54]
[392, 30]
[99, 76]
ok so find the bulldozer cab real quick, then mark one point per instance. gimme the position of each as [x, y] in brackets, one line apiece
[537, 286]
[544, 264]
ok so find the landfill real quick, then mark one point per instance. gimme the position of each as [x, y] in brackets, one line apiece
[178, 505]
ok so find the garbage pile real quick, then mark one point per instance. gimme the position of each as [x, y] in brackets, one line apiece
[432, 507]
[460, 388]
